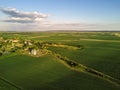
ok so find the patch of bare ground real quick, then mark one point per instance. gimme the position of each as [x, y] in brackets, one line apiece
[39, 36]
[98, 40]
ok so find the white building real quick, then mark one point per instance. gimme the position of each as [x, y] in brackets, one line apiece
[34, 52]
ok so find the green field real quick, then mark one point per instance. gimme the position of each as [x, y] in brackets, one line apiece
[98, 51]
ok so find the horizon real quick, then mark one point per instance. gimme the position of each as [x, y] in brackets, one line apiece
[74, 15]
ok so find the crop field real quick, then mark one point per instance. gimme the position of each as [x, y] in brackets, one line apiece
[59, 60]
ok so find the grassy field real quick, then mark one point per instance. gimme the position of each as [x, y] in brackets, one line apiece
[102, 58]
[7, 86]
[98, 50]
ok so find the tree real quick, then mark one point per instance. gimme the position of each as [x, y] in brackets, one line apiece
[0, 53]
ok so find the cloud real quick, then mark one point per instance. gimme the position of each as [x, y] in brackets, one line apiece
[23, 17]
[22, 21]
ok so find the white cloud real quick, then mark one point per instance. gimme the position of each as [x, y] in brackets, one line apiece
[59, 26]
[23, 17]
[23, 21]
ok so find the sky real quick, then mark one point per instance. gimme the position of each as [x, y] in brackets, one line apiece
[42, 15]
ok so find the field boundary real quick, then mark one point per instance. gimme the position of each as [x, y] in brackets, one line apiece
[11, 83]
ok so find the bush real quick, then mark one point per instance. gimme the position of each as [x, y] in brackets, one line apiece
[0, 53]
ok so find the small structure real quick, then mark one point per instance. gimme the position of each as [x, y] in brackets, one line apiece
[28, 42]
[34, 52]
[15, 41]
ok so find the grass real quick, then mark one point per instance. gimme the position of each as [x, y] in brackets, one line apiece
[102, 58]
[47, 73]
[6, 86]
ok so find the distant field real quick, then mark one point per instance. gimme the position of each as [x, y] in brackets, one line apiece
[98, 50]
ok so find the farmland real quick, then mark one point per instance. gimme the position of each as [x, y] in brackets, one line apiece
[60, 61]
